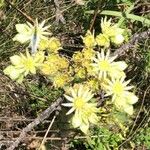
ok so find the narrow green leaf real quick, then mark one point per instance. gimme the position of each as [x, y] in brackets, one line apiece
[125, 15]
[127, 12]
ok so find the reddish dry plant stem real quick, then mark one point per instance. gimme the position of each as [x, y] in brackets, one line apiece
[24, 14]
[95, 15]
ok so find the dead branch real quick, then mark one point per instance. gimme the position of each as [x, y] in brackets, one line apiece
[45, 114]
[137, 37]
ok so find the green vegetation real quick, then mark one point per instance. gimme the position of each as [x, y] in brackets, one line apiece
[93, 56]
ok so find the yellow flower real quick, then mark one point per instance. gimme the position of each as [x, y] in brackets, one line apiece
[89, 40]
[102, 64]
[31, 33]
[48, 69]
[63, 63]
[112, 32]
[117, 87]
[84, 118]
[54, 45]
[117, 69]
[93, 84]
[82, 62]
[78, 99]
[80, 72]
[29, 63]
[103, 40]
[43, 44]
[23, 65]
[105, 25]
[53, 64]
[85, 112]
[77, 57]
[61, 79]
[88, 53]
[87, 64]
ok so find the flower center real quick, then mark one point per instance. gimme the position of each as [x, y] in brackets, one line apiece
[79, 103]
[29, 64]
[104, 65]
[118, 88]
[89, 41]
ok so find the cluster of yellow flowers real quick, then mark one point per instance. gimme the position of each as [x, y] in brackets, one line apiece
[52, 65]
[112, 77]
[110, 33]
[100, 71]
[52, 45]
[57, 69]
[82, 62]
[89, 71]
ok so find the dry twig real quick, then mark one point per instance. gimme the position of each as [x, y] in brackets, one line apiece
[45, 114]
[43, 141]
[131, 134]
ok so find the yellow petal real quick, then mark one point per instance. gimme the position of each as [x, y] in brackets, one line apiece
[15, 60]
[129, 109]
[116, 74]
[89, 40]
[131, 98]
[76, 122]
[118, 39]
[8, 70]
[12, 72]
[23, 28]
[84, 128]
[120, 65]
[21, 38]
[20, 79]
[33, 70]
[93, 118]
[39, 57]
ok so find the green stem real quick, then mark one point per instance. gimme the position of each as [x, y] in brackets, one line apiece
[125, 15]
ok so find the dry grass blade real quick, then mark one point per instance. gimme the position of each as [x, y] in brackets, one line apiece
[50, 125]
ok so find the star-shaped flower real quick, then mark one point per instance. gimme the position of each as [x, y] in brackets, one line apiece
[31, 33]
[117, 87]
[104, 65]
[85, 111]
